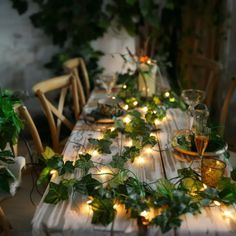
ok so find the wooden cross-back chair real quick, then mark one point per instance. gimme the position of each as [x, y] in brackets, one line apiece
[226, 104]
[28, 122]
[64, 85]
[77, 67]
[201, 73]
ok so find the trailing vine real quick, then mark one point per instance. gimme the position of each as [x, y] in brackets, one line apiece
[160, 203]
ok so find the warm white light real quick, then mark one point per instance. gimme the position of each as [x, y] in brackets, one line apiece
[217, 203]
[154, 112]
[144, 213]
[112, 129]
[149, 61]
[104, 173]
[94, 153]
[166, 94]
[228, 214]
[53, 172]
[204, 186]
[135, 103]
[139, 160]
[126, 107]
[126, 120]
[124, 86]
[89, 201]
[156, 122]
[85, 209]
[145, 109]
[147, 150]
[113, 97]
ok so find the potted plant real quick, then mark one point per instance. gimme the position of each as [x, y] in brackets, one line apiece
[10, 127]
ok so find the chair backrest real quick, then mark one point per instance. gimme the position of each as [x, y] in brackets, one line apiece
[201, 73]
[77, 67]
[226, 104]
[26, 117]
[54, 113]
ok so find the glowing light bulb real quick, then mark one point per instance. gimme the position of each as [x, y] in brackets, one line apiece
[228, 214]
[166, 94]
[126, 107]
[149, 61]
[135, 103]
[53, 172]
[172, 99]
[112, 129]
[126, 120]
[204, 186]
[156, 122]
[124, 86]
[89, 201]
[139, 160]
[147, 150]
[217, 203]
[144, 213]
[154, 112]
[104, 173]
[113, 97]
[145, 109]
[129, 143]
[95, 153]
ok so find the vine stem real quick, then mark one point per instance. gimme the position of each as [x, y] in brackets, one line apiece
[162, 161]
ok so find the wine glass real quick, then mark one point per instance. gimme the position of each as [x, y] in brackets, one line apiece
[201, 114]
[192, 97]
[107, 82]
[201, 138]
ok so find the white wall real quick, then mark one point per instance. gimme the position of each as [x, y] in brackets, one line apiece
[24, 50]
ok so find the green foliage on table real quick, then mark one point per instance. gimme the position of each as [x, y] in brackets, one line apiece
[102, 145]
[104, 212]
[84, 163]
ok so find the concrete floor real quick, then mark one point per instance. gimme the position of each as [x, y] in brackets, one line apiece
[19, 209]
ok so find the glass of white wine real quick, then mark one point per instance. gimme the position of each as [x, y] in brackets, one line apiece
[192, 97]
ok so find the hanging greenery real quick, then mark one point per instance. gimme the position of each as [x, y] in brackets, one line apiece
[165, 30]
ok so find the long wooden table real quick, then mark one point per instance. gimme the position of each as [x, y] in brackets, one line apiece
[74, 217]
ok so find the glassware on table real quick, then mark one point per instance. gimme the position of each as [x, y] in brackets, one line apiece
[192, 97]
[200, 116]
[107, 82]
[211, 171]
[201, 138]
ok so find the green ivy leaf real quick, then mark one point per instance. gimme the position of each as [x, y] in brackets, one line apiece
[102, 145]
[87, 185]
[103, 211]
[57, 192]
[44, 176]
[84, 163]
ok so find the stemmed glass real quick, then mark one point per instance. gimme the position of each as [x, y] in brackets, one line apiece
[201, 138]
[192, 97]
[107, 82]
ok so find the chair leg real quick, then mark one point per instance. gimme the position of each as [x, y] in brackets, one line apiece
[5, 224]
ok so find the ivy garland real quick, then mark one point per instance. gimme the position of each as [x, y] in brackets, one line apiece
[160, 203]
